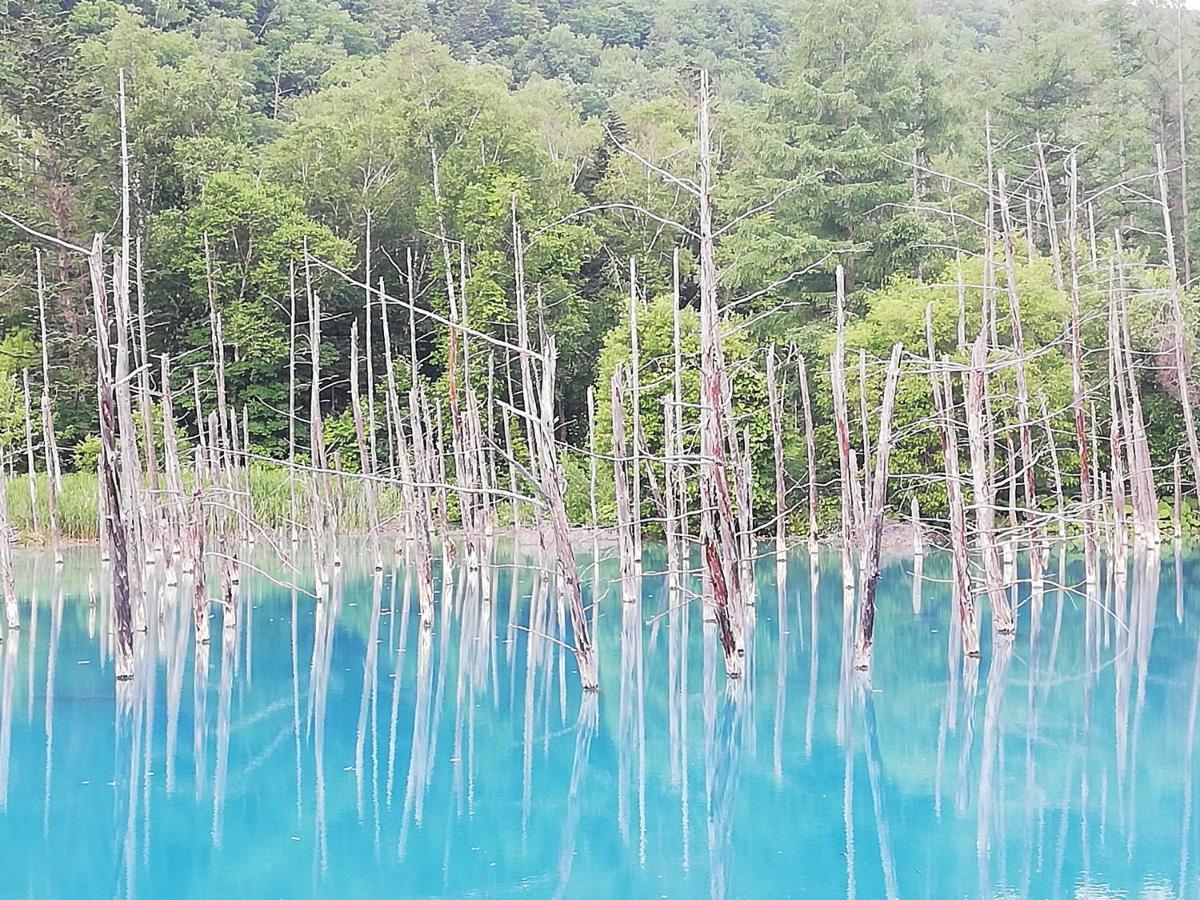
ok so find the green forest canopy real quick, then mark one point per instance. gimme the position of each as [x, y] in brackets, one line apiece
[851, 131]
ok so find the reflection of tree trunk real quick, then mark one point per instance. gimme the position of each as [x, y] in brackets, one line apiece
[813, 657]
[367, 697]
[7, 711]
[781, 666]
[970, 686]
[585, 730]
[726, 767]
[848, 810]
[1002, 648]
[1189, 783]
[630, 705]
[176, 626]
[224, 701]
[948, 720]
[200, 716]
[875, 776]
[1142, 616]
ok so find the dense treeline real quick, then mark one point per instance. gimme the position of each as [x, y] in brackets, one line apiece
[858, 132]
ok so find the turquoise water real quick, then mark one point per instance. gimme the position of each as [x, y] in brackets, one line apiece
[338, 751]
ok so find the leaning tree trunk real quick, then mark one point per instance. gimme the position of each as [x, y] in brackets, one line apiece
[874, 528]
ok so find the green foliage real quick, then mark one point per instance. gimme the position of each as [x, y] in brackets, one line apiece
[86, 454]
[255, 233]
[265, 129]
[17, 352]
[858, 104]
[656, 352]
[897, 314]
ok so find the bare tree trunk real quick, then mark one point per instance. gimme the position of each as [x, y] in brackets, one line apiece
[1051, 222]
[364, 453]
[1089, 545]
[1177, 512]
[722, 563]
[318, 518]
[144, 401]
[30, 473]
[627, 543]
[202, 453]
[943, 404]
[1141, 475]
[199, 599]
[12, 611]
[130, 466]
[1182, 363]
[841, 420]
[677, 412]
[777, 451]
[174, 470]
[874, 529]
[369, 352]
[1056, 472]
[961, 319]
[1115, 449]
[635, 392]
[743, 482]
[293, 511]
[592, 506]
[811, 456]
[985, 512]
[114, 526]
[415, 502]
[552, 486]
[1181, 89]
[1036, 563]
[49, 445]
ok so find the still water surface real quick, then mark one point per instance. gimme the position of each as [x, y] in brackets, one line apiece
[336, 750]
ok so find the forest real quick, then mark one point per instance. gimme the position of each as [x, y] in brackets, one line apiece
[406, 145]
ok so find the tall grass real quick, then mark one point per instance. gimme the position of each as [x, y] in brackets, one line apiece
[77, 507]
[270, 493]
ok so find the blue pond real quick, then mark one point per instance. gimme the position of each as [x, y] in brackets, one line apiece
[339, 750]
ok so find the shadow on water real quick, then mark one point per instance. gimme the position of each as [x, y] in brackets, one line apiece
[338, 746]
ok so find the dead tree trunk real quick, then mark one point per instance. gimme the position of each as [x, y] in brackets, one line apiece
[1182, 364]
[841, 421]
[1145, 495]
[1023, 414]
[114, 525]
[145, 403]
[365, 461]
[874, 529]
[1182, 114]
[985, 511]
[943, 405]
[12, 612]
[553, 484]
[174, 470]
[1085, 471]
[777, 451]
[720, 545]
[49, 445]
[626, 541]
[811, 457]
[30, 473]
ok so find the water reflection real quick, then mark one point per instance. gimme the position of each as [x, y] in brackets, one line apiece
[339, 745]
